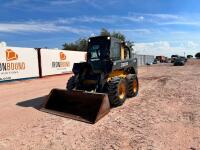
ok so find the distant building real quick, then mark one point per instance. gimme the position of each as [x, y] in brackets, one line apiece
[144, 59]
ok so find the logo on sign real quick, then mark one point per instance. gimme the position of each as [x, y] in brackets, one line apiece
[62, 56]
[11, 55]
[9, 65]
[62, 63]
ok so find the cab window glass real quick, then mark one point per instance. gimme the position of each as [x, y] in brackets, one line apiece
[126, 53]
[115, 51]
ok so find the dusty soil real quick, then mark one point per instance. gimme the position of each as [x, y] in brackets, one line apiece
[165, 115]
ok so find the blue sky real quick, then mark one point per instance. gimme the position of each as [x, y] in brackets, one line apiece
[158, 27]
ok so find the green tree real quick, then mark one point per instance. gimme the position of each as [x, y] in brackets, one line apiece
[70, 46]
[104, 32]
[189, 56]
[82, 43]
[79, 45]
[118, 35]
[130, 44]
[197, 55]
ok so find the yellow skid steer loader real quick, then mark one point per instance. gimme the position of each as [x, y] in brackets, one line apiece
[106, 79]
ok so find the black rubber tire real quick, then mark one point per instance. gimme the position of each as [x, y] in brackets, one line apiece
[113, 93]
[130, 79]
[71, 83]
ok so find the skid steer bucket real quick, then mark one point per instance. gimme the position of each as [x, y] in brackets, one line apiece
[78, 105]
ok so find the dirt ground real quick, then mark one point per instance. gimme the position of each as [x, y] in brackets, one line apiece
[165, 115]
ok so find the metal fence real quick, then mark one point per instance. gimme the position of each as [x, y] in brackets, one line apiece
[144, 59]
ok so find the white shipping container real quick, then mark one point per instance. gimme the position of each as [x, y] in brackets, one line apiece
[59, 61]
[18, 63]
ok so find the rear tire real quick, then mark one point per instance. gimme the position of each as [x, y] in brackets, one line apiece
[117, 91]
[133, 85]
[71, 83]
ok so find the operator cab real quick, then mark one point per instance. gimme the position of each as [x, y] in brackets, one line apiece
[107, 48]
[98, 48]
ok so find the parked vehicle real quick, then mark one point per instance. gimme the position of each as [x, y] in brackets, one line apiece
[161, 59]
[155, 61]
[180, 61]
[173, 58]
[184, 58]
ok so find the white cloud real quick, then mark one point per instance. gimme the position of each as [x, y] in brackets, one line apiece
[45, 5]
[164, 16]
[88, 19]
[186, 22]
[111, 19]
[44, 2]
[158, 19]
[191, 45]
[134, 18]
[63, 2]
[162, 19]
[165, 19]
[136, 31]
[38, 27]
[165, 48]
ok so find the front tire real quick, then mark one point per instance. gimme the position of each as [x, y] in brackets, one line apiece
[117, 91]
[71, 83]
[133, 85]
